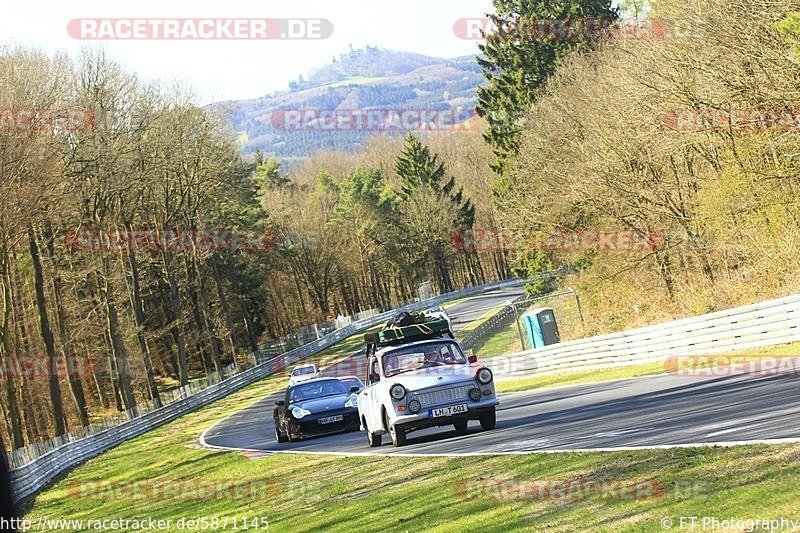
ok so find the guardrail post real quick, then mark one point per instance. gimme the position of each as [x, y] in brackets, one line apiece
[580, 310]
[516, 321]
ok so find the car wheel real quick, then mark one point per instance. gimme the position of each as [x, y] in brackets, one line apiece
[279, 436]
[460, 425]
[374, 439]
[398, 434]
[489, 420]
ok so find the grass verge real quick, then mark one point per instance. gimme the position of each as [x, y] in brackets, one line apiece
[576, 378]
[503, 342]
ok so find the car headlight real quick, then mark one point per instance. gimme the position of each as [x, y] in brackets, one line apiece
[299, 412]
[397, 392]
[352, 401]
[475, 394]
[414, 406]
[484, 376]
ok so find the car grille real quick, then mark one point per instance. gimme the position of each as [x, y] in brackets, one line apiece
[444, 395]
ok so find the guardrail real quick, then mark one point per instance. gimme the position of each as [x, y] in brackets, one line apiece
[762, 324]
[497, 322]
[32, 477]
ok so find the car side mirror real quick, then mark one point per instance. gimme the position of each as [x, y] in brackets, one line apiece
[472, 358]
[355, 389]
[280, 403]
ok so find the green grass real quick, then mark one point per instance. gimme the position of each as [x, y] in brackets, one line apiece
[451, 303]
[477, 322]
[575, 378]
[312, 493]
[503, 342]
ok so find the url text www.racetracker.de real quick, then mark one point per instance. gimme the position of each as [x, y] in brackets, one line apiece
[199, 523]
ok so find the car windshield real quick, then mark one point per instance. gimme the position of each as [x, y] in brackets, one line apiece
[351, 382]
[421, 356]
[304, 370]
[316, 389]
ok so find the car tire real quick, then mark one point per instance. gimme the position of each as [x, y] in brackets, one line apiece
[488, 420]
[374, 439]
[398, 434]
[280, 436]
[460, 425]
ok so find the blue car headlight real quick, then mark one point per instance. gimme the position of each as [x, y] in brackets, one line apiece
[299, 412]
[352, 401]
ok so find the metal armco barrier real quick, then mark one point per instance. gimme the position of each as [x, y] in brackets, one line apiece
[751, 326]
[497, 322]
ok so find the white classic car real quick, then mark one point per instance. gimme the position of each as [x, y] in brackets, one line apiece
[417, 384]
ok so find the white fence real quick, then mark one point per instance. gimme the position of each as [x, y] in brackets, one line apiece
[762, 324]
[32, 477]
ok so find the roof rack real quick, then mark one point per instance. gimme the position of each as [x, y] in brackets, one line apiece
[394, 335]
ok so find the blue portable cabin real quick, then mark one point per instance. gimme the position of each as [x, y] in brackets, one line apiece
[541, 327]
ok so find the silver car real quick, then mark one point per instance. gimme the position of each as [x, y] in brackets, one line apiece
[304, 373]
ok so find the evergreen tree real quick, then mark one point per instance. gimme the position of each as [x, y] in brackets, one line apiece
[518, 58]
[432, 210]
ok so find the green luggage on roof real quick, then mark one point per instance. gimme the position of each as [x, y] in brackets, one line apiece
[392, 334]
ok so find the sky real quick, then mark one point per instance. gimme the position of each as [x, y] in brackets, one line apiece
[227, 69]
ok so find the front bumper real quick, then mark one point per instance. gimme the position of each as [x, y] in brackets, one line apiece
[309, 426]
[423, 419]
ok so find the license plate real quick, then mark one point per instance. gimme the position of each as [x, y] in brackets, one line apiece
[331, 419]
[448, 411]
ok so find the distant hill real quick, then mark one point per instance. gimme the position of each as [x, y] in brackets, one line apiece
[282, 124]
